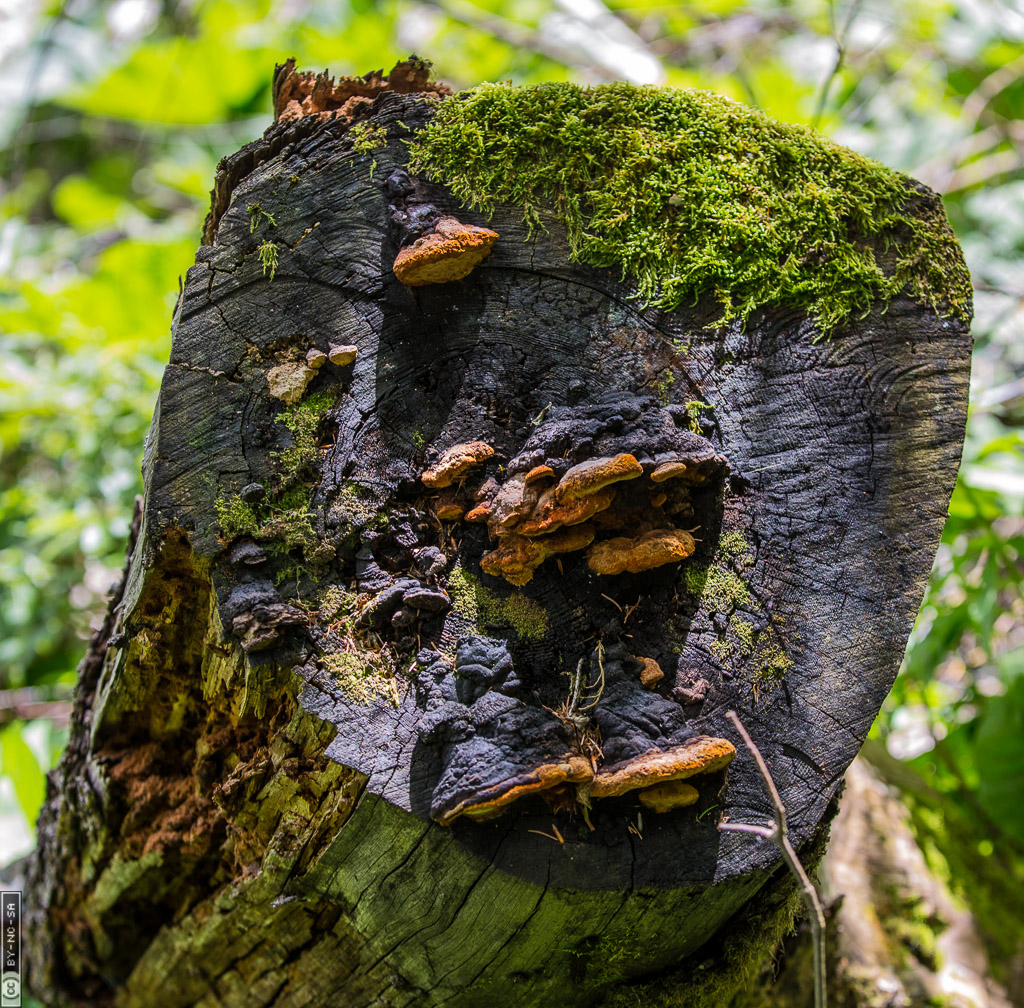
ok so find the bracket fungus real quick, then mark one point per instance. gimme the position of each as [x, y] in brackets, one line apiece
[699, 755]
[342, 354]
[550, 514]
[492, 802]
[595, 474]
[518, 556]
[651, 674]
[450, 252]
[668, 796]
[456, 462]
[548, 490]
[668, 470]
[644, 552]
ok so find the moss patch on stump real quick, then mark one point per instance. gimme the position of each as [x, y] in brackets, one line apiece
[692, 194]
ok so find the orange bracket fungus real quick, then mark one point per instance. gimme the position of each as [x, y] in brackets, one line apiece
[493, 801]
[550, 514]
[644, 552]
[668, 796]
[456, 462]
[450, 252]
[595, 474]
[518, 556]
[651, 674]
[702, 754]
[668, 470]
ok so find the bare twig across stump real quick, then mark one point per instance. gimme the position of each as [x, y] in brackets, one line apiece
[776, 833]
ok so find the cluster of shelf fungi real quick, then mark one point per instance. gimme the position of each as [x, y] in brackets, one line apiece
[554, 502]
[597, 490]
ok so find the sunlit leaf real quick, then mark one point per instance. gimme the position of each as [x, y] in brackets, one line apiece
[19, 764]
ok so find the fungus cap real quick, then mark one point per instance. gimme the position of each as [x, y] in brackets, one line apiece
[595, 474]
[538, 473]
[342, 354]
[702, 754]
[518, 556]
[513, 501]
[456, 461]
[670, 795]
[494, 800]
[550, 514]
[667, 471]
[651, 674]
[644, 552]
[450, 252]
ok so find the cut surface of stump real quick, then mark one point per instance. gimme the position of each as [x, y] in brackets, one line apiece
[420, 669]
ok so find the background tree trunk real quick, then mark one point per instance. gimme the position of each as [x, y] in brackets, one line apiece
[311, 685]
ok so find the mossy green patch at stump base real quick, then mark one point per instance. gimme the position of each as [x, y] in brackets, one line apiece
[692, 194]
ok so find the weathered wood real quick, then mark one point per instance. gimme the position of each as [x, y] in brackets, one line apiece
[252, 799]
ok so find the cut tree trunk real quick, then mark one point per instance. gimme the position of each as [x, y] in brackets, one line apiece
[439, 591]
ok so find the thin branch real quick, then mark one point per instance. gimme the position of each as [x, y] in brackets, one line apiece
[778, 835]
[840, 40]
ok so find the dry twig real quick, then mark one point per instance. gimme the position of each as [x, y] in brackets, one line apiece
[777, 834]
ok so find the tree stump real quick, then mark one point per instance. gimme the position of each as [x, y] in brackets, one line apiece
[461, 533]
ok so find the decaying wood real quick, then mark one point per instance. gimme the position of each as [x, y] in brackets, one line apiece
[326, 672]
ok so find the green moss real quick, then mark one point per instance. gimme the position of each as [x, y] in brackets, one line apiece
[691, 194]
[478, 605]
[235, 517]
[907, 919]
[719, 589]
[732, 545]
[696, 409]
[256, 214]
[768, 663]
[663, 386]
[290, 523]
[517, 611]
[337, 603]
[354, 503]
[303, 419]
[366, 137]
[363, 675]
[267, 253]
[284, 518]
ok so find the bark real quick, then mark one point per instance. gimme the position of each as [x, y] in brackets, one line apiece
[310, 687]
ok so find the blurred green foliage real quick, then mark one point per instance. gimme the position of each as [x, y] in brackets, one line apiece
[118, 112]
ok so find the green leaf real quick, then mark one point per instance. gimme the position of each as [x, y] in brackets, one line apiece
[999, 757]
[19, 764]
